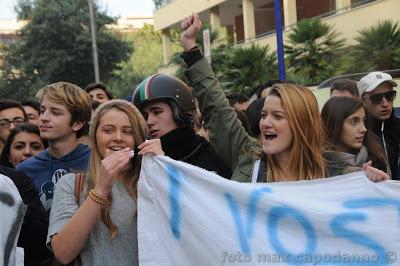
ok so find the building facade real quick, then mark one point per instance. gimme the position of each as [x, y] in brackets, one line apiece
[9, 30]
[253, 21]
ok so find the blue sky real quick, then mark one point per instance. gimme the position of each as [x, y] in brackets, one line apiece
[121, 8]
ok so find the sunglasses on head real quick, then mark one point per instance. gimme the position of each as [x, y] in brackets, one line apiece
[377, 97]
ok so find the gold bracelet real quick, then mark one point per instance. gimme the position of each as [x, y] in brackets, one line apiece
[98, 201]
[97, 195]
[97, 198]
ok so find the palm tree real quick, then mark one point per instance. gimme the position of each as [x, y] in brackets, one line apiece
[313, 50]
[243, 69]
[377, 48]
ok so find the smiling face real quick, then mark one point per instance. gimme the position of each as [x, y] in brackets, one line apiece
[276, 135]
[24, 146]
[159, 119]
[353, 132]
[114, 133]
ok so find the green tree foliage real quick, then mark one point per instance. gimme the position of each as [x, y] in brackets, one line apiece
[313, 51]
[56, 45]
[158, 3]
[124, 82]
[240, 70]
[377, 48]
[24, 9]
[243, 69]
[148, 54]
[144, 61]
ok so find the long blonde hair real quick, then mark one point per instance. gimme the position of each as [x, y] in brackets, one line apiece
[301, 110]
[131, 177]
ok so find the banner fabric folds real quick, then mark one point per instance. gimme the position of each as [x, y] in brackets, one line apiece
[189, 216]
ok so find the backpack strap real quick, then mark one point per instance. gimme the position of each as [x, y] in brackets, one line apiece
[79, 182]
[256, 167]
[259, 168]
[261, 178]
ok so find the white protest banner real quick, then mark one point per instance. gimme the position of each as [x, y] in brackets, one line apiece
[12, 211]
[189, 216]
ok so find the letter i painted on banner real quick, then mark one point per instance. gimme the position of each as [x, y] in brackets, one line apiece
[174, 199]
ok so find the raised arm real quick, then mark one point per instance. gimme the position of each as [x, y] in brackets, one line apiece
[227, 135]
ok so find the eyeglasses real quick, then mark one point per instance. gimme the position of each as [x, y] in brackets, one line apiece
[17, 121]
[377, 97]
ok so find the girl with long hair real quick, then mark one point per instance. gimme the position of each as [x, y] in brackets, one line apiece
[100, 229]
[291, 132]
[349, 144]
[292, 135]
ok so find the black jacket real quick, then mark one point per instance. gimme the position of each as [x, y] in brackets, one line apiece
[183, 144]
[36, 221]
[391, 131]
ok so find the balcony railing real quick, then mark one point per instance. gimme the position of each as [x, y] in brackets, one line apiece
[323, 15]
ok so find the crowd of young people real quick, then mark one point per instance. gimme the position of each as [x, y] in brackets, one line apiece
[90, 191]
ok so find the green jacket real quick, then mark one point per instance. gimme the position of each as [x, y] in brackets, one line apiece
[227, 135]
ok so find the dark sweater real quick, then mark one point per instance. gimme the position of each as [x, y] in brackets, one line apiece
[391, 131]
[183, 144]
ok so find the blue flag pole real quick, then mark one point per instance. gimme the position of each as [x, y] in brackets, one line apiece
[279, 39]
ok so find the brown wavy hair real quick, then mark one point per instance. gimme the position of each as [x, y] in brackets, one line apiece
[301, 110]
[334, 113]
[131, 177]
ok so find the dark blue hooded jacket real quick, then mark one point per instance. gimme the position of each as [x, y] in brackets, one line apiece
[45, 170]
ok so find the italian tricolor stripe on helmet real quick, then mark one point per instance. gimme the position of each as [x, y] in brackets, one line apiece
[145, 88]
